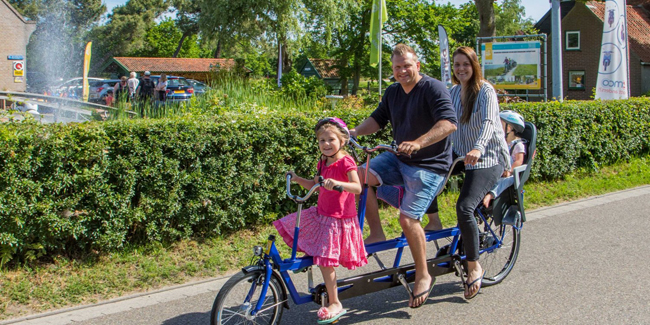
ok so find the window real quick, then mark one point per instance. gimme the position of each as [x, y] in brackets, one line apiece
[572, 41]
[577, 80]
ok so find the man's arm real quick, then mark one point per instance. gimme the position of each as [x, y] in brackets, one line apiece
[368, 126]
[438, 132]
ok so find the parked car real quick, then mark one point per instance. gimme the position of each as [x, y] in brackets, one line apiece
[73, 88]
[178, 88]
[98, 93]
[199, 87]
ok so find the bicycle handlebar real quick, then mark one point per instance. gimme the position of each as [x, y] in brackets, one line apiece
[390, 148]
[299, 199]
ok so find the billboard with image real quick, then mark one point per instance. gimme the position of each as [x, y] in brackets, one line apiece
[512, 65]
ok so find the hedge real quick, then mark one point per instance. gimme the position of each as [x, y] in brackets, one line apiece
[101, 185]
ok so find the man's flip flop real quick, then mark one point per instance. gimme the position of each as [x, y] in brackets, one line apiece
[468, 285]
[323, 312]
[427, 293]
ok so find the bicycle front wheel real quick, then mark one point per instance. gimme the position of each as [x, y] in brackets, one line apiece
[240, 295]
[498, 261]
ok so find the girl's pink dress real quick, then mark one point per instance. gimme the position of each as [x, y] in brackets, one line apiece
[333, 239]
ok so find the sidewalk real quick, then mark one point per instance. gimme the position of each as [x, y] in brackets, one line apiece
[87, 312]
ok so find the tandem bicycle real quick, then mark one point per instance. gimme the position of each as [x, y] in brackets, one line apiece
[260, 292]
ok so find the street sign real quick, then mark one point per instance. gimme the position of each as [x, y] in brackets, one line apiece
[19, 65]
[15, 57]
[18, 79]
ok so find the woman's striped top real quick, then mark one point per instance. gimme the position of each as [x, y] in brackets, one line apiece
[483, 131]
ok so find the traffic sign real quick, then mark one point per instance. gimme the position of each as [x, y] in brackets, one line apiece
[19, 65]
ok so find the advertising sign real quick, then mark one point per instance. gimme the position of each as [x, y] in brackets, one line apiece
[85, 89]
[613, 65]
[445, 64]
[512, 65]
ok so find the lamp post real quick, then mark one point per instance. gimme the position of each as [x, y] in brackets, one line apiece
[556, 31]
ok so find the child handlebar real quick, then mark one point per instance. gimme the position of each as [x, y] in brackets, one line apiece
[299, 199]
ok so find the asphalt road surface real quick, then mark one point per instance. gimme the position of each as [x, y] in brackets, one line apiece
[581, 263]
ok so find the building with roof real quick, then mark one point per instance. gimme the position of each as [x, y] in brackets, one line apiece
[325, 69]
[582, 30]
[191, 68]
[14, 37]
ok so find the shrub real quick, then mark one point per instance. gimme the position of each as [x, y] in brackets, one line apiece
[99, 185]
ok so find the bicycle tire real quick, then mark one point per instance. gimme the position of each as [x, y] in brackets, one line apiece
[230, 302]
[498, 262]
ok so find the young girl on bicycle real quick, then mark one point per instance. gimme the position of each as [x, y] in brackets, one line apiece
[330, 231]
[513, 124]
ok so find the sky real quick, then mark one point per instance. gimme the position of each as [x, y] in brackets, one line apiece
[535, 9]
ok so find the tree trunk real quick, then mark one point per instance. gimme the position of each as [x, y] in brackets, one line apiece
[344, 86]
[485, 10]
[180, 44]
[217, 53]
[286, 61]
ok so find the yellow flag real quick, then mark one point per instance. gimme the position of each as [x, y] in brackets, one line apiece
[376, 25]
[86, 67]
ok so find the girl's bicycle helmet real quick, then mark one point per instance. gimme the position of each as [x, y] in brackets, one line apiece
[513, 118]
[334, 121]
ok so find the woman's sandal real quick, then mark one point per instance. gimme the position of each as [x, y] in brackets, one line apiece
[324, 316]
[469, 285]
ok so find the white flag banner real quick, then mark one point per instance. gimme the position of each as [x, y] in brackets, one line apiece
[613, 81]
[445, 65]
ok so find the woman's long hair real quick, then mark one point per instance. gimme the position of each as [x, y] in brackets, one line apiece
[474, 84]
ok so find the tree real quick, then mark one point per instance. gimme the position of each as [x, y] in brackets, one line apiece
[486, 17]
[62, 26]
[187, 20]
[162, 40]
[126, 29]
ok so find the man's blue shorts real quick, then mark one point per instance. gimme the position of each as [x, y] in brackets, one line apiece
[420, 184]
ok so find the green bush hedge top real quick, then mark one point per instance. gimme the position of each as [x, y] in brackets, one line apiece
[101, 185]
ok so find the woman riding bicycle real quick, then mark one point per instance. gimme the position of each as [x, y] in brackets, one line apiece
[479, 135]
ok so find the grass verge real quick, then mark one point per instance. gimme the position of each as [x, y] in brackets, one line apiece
[64, 282]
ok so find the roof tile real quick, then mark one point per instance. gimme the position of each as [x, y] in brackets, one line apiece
[638, 27]
[173, 64]
[327, 68]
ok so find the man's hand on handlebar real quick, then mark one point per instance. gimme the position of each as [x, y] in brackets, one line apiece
[293, 175]
[409, 147]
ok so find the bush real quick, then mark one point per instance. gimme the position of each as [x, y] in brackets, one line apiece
[77, 187]
[586, 134]
[296, 85]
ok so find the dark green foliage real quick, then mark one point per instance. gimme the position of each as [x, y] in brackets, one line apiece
[98, 186]
[586, 134]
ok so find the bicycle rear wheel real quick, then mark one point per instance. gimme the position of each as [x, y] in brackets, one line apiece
[240, 295]
[498, 261]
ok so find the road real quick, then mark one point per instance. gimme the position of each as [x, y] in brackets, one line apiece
[580, 263]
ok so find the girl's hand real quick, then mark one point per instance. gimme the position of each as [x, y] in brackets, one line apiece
[330, 183]
[471, 158]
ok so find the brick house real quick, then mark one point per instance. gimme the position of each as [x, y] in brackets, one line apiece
[582, 30]
[14, 37]
[191, 68]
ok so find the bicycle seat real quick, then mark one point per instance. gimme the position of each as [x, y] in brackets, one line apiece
[514, 195]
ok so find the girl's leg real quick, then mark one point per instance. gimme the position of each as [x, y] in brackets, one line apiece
[329, 275]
